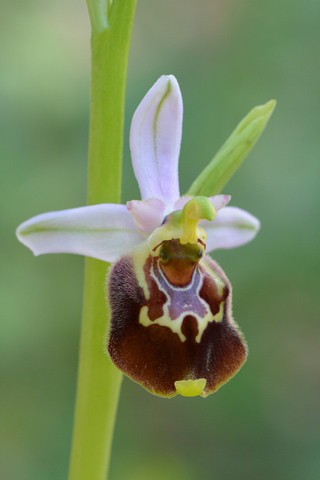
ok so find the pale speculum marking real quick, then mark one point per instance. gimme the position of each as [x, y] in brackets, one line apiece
[181, 302]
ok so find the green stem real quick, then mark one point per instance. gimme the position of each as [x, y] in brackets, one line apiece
[98, 380]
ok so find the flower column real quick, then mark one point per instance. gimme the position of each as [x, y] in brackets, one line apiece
[98, 380]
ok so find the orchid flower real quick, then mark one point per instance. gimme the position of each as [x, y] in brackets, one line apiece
[171, 326]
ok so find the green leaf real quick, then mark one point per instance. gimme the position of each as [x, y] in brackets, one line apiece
[229, 158]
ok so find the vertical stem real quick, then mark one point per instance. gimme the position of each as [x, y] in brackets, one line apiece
[98, 380]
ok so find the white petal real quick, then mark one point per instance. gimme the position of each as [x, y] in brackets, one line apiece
[220, 201]
[155, 139]
[103, 231]
[148, 213]
[231, 228]
[179, 204]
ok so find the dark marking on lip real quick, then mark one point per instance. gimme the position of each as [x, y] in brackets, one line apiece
[157, 297]
[157, 246]
[209, 293]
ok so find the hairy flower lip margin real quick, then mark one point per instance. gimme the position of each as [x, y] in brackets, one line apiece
[107, 231]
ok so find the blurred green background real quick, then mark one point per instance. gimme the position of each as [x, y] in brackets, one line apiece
[228, 56]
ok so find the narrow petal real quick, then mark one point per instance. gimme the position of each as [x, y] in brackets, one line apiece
[218, 201]
[179, 204]
[147, 213]
[231, 228]
[103, 231]
[155, 139]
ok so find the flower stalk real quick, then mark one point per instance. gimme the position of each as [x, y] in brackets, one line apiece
[98, 380]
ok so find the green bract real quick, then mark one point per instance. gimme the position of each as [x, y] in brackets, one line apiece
[230, 156]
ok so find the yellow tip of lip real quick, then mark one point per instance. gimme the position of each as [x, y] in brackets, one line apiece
[190, 388]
